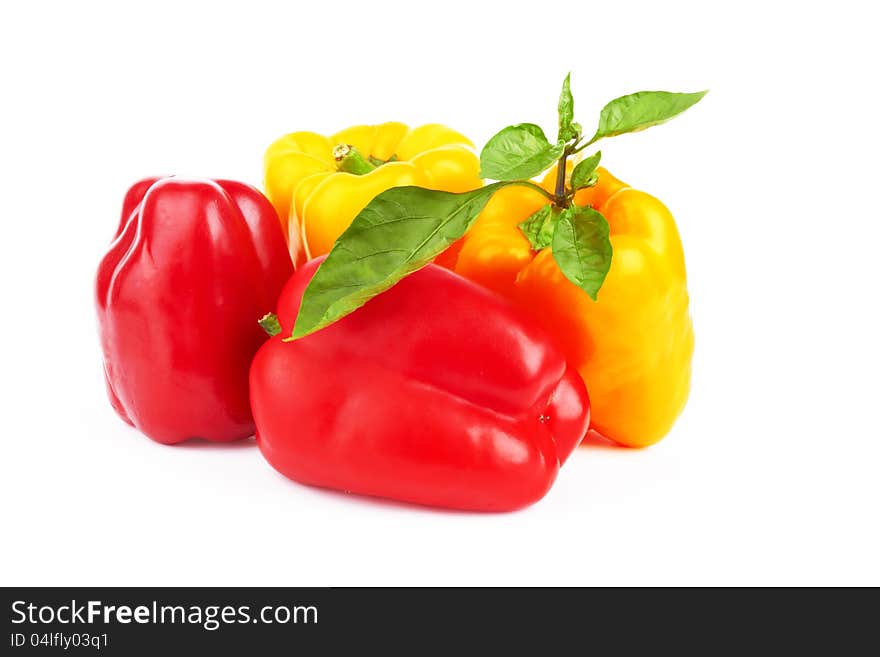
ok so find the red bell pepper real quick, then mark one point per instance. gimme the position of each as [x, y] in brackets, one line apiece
[436, 392]
[193, 266]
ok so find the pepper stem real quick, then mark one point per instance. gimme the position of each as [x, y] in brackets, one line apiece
[560, 180]
[350, 160]
[270, 324]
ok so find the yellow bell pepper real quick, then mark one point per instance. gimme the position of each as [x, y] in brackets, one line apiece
[319, 184]
[632, 346]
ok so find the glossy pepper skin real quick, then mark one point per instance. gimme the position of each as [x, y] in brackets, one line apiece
[436, 392]
[316, 202]
[193, 266]
[633, 346]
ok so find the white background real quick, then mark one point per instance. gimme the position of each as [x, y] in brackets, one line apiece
[769, 477]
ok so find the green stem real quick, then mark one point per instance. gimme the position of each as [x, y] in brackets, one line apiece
[350, 160]
[579, 147]
[537, 188]
[270, 324]
[560, 179]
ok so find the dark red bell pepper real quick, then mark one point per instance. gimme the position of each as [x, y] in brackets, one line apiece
[436, 392]
[193, 265]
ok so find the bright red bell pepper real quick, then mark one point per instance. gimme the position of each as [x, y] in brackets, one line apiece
[193, 266]
[436, 392]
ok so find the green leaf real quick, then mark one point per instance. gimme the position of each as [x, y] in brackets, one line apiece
[567, 130]
[642, 110]
[518, 152]
[582, 249]
[399, 232]
[538, 228]
[584, 174]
